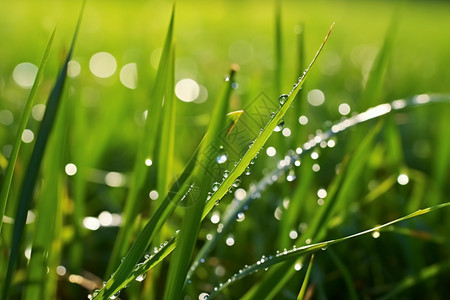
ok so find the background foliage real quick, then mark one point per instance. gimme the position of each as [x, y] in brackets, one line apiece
[101, 123]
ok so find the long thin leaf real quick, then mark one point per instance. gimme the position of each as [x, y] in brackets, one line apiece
[6, 186]
[297, 252]
[278, 47]
[264, 135]
[48, 220]
[301, 294]
[35, 162]
[423, 275]
[191, 224]
[145, 151]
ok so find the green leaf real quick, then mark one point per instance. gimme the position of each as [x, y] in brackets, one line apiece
[261, 139]
[32, 173]
[193, 215]
[145, 151]
[288, 255]
[6, 186]
[301, 294]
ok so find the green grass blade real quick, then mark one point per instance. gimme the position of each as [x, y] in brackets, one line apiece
[337, 193]
[48, 220]
[166, 145]
[288, 255]
[35, 162]
[278, 272]
[145, 151]
[423, 275]
[278, 47]
[6, 186]
[345, 274]
[261, 139]
[193, 215]
[301, 294]
[32, 173]
[373, 89]
[177, 193]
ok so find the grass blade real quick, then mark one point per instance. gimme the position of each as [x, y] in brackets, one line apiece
[6, 186]
[193, 215]
[298, 252]
[35, 162]
[301, 294]
[414, 279]
[177, 193]
[264, 135]
[372, 90]
[278, 47]
[278, 272]
[145, 151]
[49, 220]
[345, 274]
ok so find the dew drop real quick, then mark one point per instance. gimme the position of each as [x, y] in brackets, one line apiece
[240, 217]
[282, 99]
[115, 296]
[215, 186]
[291, 176]
[237, 182]
[248, 171]
[280, 126]
[222, 157]
[141, 277]
[226, 173]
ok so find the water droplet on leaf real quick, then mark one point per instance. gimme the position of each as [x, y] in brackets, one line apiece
[141, 277]
[222, 157]
[248, 171]
[280, 126]
[282, 99]
[215, 186]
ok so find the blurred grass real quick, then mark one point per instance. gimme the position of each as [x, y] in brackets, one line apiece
[104, 127]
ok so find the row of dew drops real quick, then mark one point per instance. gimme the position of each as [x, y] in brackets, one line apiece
[321, 139]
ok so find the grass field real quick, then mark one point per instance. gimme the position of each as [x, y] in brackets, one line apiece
[124, 162]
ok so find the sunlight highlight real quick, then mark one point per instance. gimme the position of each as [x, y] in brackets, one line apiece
[103, 64]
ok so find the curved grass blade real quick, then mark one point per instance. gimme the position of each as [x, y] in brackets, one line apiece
[6, 186]
[31, 175]
[145, 151]
[301, 294]
[298, 252]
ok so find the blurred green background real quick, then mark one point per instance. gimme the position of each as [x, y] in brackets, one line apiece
[209, 37]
